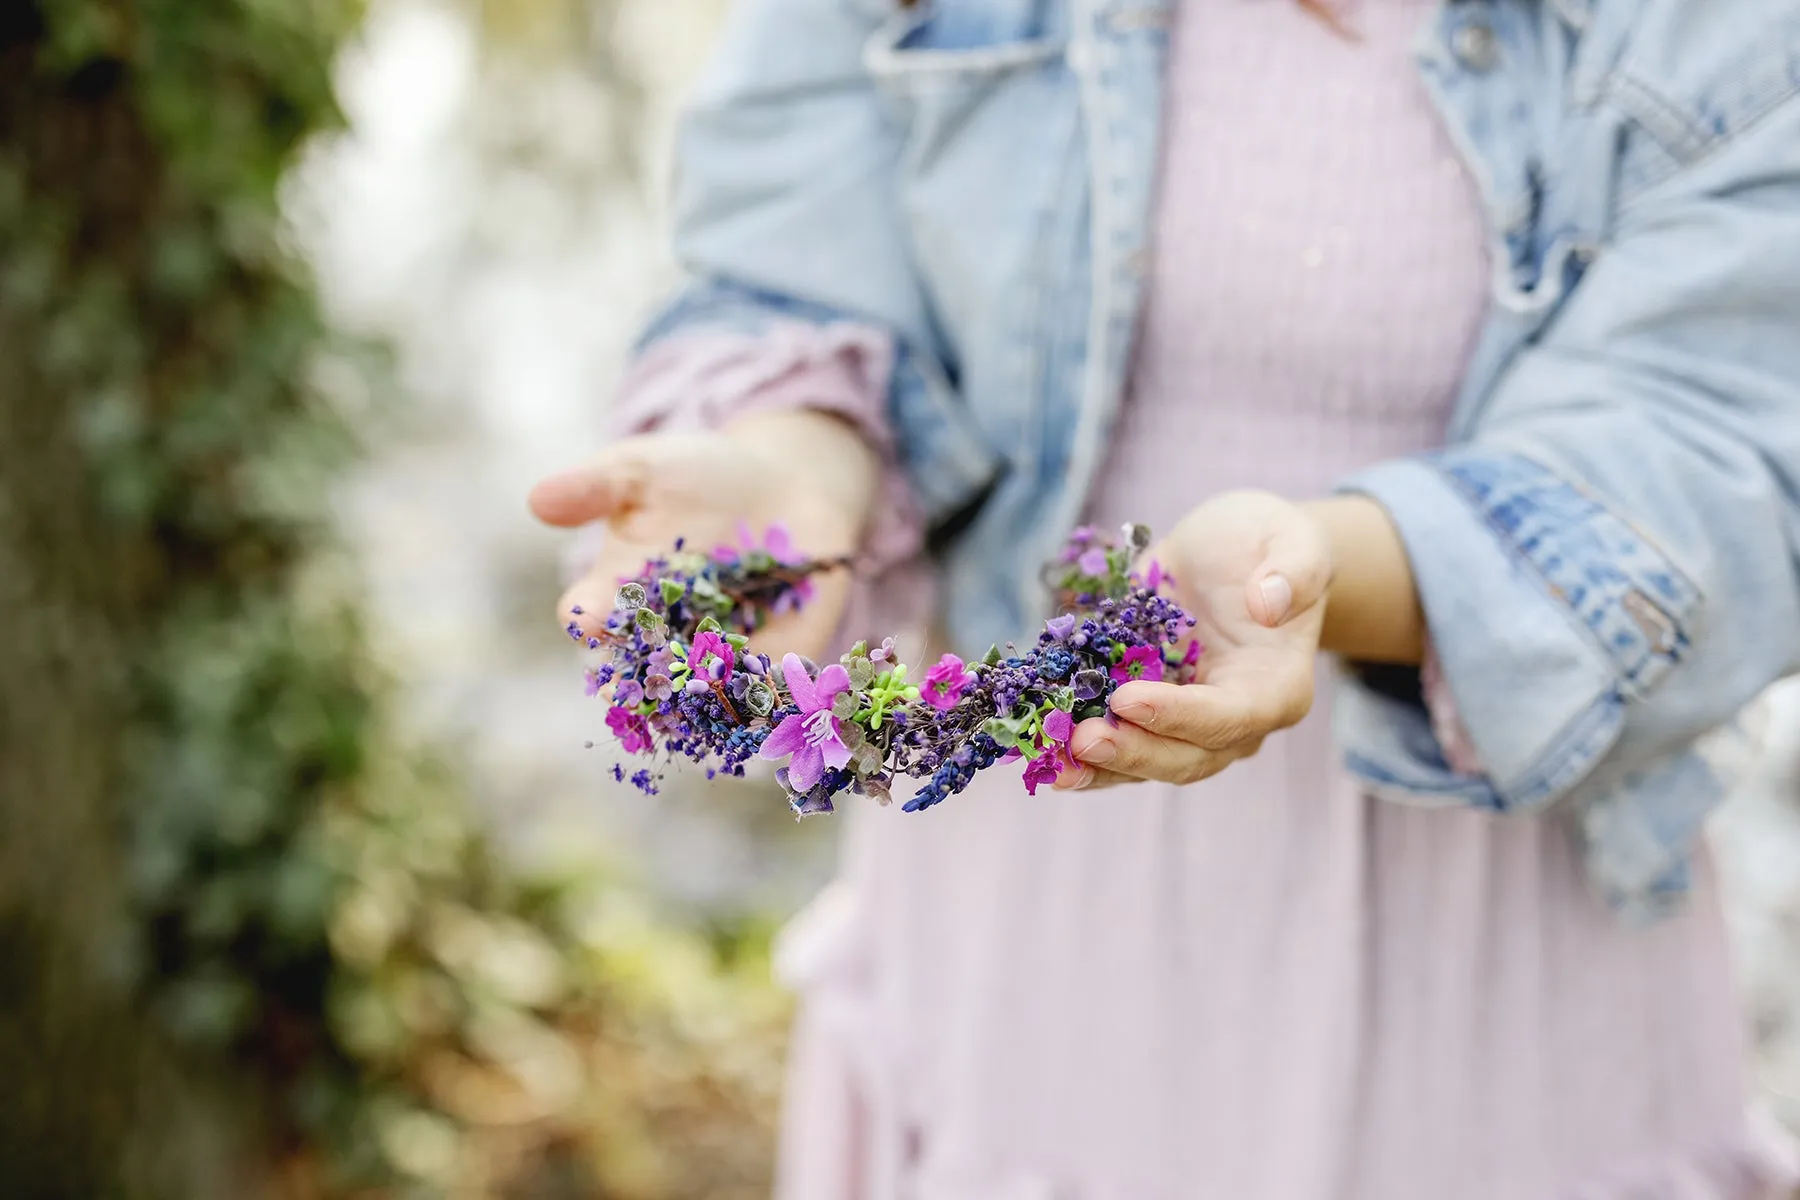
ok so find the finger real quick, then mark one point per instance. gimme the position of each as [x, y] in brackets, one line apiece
[1139, 754]
[1293, 575]
[1238, 708]
[608, 487]
[1090, 779]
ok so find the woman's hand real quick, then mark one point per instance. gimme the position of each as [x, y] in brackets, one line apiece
[1253, 569]
[809, 471]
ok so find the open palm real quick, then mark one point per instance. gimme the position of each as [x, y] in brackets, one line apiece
[702, 487]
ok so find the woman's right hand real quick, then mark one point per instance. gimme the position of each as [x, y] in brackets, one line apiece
[806, 470]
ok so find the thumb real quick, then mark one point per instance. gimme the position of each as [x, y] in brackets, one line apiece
[1293, 575]
[603, 489]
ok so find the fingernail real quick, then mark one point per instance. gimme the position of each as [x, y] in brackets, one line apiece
[1278, 597]
[1137, 714]
[1100, 752]
[1074, 781]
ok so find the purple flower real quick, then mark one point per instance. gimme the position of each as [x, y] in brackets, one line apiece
[631, 729]
[1153, 575]
[1058, 725]
[658, 688]
[593, 683]
[629, 694]
[945, 683]
[1140, 662]
[710, 644]
[811, 736]
[1061, 627]
[814, 803]
[1093, 563]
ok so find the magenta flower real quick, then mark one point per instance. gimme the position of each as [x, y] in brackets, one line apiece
[945, 683]
[1140, 662]
[631, 729]
[811, 736]
[711, 645]
[1058, 725]
[1045, 768]
[1193, 653]
[1153, 575]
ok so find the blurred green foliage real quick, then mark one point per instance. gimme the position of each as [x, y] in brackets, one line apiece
[304, 902]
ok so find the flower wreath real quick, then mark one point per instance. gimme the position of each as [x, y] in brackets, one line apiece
[681, 679]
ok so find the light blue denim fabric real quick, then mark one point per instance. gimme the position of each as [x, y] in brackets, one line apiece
[1606, 549]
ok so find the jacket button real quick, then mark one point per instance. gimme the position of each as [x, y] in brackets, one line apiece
[1476, 46]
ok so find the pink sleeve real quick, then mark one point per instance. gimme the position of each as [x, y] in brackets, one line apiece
[1446, 722]
[704, 379]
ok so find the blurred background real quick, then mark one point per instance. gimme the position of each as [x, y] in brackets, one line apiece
[309, 885]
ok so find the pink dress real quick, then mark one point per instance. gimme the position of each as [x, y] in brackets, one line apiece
[1266, 986]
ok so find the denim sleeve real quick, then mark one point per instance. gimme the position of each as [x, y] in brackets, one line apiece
[1608, 564]
[786, 207]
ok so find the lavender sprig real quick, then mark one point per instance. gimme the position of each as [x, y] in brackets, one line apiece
[683, 680]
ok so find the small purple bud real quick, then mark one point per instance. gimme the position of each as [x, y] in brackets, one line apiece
[697, 687]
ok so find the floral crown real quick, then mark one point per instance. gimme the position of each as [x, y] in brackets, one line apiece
[680, 678]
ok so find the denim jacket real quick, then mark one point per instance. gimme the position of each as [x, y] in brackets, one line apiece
[1605, 551]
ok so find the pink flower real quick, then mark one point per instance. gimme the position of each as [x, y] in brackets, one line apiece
[1079, 537]
[776, 540]
[710, 644]
[631, 729]
[1140, 662]
[945, 683]
[1153, 575]
[811, 735]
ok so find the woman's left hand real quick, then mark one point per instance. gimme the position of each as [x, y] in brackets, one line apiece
[1254, 570]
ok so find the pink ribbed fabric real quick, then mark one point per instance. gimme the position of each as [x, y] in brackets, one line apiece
[1265, 987]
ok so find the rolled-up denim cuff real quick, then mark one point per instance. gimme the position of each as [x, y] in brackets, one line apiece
[1547, 614]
